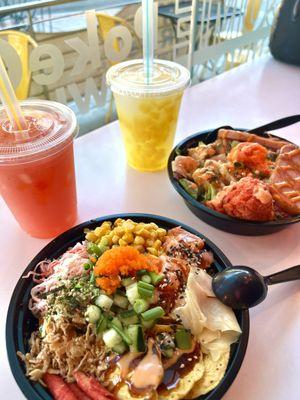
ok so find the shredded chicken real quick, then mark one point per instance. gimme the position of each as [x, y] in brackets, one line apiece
[64, 349]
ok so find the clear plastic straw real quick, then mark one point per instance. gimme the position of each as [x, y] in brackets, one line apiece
[9, 101]
[148, 38]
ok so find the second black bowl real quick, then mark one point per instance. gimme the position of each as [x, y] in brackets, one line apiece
[215, 218]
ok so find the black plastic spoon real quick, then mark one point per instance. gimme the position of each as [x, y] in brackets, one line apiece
[242, 287]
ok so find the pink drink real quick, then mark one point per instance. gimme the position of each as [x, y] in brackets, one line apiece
[37, 177]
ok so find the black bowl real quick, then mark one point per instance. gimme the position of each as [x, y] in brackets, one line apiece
[20, 322]
[215, 218]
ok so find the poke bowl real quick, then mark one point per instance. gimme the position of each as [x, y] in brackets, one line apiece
[245, 190]
[207, 359]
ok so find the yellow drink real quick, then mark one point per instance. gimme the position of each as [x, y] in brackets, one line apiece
[148, 113]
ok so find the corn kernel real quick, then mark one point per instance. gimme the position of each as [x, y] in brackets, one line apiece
[140, 248]
[99, 231]
[145, 233]
[122, 242]
[105, 241]
[152, 251]
[128, 237]
[106, 224]
[139, 240]
[114, 245]
[157, 244]
[91, 237]
[161, 233]
[118, 221]
[115, 239]
[153, 235]
[119, 230]
[149, 242]
[153, 225]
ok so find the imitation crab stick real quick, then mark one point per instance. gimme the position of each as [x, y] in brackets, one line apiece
[80, 395]
[58, 387]
[92, 387]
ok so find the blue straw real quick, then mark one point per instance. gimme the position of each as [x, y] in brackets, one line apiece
[148, 38]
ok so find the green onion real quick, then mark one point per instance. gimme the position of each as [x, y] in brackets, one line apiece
[94, 249]
[145, 293]
[156, 278]
[101, 324]
[141, 272]
[127, 281]
[87, 266]
[140, 305]
[145, 285]
[146, 278]
[153, 313]
[92, 277]
[183, 339]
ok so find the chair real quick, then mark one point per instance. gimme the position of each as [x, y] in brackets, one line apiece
[105, 24]
[240, 56]
[21, 42]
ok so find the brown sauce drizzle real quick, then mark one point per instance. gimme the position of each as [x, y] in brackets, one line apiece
[180, 369]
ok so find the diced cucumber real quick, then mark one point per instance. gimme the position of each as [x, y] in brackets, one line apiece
[122, 333]
[132, 293]
[121, 301]
[168, 352]
[153, 313]
[111, 338]
[120, 348]
[136, 334]
[183, 339]
[117, 322]
[129, 317]
[190, 187]
[127, 281]
[104, 302]
[147, 324]
[92, 314]
[156, 278]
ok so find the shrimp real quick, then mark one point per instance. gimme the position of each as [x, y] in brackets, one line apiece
[184, 166]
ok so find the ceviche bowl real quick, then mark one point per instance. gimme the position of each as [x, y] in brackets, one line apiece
[211, 216]
[21, 323]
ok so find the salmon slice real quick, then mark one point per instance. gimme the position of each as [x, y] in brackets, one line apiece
[178, 236]
[271, 143]
[92, 387]
[58, 387]
[80, 395]
[285, 180]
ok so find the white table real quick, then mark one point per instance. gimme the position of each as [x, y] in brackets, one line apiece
[248, 96]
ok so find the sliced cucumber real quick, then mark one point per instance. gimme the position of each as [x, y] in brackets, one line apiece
[190, 187]
[111, 338]
[132, 293]
[136, 334]
[93, 314]
[121, 301]
[103, 301]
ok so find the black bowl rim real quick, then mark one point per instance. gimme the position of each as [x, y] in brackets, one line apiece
[197, 204]
[16, 365]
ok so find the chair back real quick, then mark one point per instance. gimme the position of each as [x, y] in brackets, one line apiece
[21, 42]
[107, 22]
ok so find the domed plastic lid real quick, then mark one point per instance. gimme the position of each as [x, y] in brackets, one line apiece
[50, 124]
[128, 78]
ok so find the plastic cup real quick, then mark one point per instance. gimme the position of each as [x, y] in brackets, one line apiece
[37, 176]
[148, 113]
